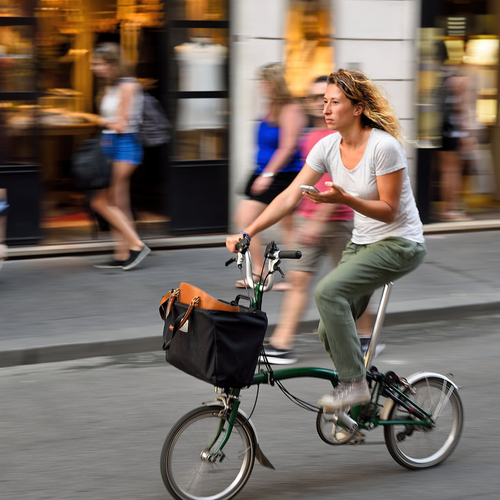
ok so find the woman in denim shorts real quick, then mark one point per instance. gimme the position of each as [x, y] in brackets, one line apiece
[121, 115]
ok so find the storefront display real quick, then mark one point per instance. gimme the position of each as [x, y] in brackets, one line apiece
[458, 41]
[308, 51]
[48, 101]
[19, 165]
[198, 44]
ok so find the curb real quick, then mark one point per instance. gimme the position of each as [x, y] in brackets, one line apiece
[211, 240]
[74, 351]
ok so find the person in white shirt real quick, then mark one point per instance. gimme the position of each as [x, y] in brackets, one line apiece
[370, 175]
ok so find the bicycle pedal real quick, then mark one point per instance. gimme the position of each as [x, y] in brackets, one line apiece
[358, 438]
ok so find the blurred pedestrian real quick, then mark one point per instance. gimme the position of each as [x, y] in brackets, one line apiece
[121, 101]
[368, 165]
[320, 229]
[457, 139]
[4, 206]
[278, 157]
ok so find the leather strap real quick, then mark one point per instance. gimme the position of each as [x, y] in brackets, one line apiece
[179, 322]
[170, 297]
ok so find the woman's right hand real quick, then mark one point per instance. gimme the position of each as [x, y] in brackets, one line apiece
[261, 184]
[232, 241]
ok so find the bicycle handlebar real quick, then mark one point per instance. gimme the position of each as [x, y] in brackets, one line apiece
[290, 254]
[273, 256]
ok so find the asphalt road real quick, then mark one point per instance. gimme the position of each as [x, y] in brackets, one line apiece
[93, 428]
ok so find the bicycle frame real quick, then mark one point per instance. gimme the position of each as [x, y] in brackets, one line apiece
[381, 388]
[407, 409]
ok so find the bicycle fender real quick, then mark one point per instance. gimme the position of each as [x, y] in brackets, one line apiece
[259, 454]
[414, 377]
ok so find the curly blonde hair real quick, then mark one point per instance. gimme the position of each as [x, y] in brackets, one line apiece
[359, 89]
[274, 73]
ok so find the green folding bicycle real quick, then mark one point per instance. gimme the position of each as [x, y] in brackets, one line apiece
[210, 452]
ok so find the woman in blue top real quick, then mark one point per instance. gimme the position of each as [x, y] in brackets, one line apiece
[278, 157]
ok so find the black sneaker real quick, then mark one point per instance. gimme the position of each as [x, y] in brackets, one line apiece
[365, 343]
[278, 356]
[110, 264]
[136, 257]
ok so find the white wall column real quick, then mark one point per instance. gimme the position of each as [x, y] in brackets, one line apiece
[379, 38]
[257, 29]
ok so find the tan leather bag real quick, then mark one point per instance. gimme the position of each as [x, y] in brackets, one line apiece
[190, 294]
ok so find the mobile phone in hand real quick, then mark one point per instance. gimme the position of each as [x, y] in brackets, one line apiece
[309, 189]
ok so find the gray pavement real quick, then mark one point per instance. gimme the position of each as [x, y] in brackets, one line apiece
[61, 308]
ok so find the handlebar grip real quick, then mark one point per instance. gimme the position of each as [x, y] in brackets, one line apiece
[290, 254]
[242, 245]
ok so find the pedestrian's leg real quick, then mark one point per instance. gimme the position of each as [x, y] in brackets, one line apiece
[450, 183]
[116, 219]
[292, 308]
[119, 196]
[3, 224]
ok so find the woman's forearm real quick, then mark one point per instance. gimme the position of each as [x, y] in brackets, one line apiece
[375, 209]
[283, 204]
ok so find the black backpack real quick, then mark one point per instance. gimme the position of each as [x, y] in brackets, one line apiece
[155, 127]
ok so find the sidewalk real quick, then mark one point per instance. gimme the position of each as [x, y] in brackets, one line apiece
[60, 307]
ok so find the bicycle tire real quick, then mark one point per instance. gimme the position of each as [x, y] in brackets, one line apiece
[185, 469]
[421, 447]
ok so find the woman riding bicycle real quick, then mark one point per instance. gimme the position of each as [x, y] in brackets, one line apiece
[369, 170]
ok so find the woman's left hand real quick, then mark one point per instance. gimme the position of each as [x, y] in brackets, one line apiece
[261, 184]
[334, 195]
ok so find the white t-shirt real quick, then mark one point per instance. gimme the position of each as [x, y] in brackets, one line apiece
[383, 155]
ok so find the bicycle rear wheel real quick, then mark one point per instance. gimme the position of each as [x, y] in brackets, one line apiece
[188, 469]
[419, 447]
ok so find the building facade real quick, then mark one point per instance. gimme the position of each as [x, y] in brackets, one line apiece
[201, 58]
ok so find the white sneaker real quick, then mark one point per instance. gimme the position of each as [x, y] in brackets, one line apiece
[346, 394]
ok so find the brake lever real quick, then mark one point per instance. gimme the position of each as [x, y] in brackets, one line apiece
[230, 261]
[282, 274]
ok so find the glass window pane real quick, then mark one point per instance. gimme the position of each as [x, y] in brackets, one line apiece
[16, 59]
[200, 65]
[17, 130]
[198, 10]
[17, 8]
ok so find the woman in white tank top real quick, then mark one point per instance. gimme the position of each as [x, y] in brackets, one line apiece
[121, 116]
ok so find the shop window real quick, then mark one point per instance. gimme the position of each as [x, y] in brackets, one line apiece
[198, 78]
[308, 51]
[18, 111]
[16, 58]
[15, 8]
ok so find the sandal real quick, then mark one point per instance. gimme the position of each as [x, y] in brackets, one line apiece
[243, 284]
[283, 286]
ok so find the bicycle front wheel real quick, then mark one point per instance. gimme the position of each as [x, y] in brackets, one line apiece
[419, 447]
[191, 467]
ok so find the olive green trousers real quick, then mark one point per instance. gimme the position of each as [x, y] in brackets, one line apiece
[343, 295]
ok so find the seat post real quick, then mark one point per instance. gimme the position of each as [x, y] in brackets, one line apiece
[379, 320]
